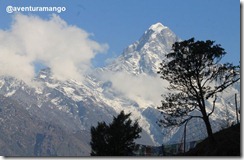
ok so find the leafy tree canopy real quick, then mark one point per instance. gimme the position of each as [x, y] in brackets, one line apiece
[115, 139]
[194, 72]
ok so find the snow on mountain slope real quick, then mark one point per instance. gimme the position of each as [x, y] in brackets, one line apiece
[129, 83]
[144, 55]
[133, 77]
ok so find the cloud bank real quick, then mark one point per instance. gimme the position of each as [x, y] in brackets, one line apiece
[144, 89]
[66, 49]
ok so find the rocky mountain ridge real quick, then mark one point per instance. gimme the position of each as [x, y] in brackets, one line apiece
[54, 117]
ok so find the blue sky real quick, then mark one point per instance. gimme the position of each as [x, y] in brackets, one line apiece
[121, 22]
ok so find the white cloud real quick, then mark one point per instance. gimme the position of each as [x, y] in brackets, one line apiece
[144, 89]
[66, 49]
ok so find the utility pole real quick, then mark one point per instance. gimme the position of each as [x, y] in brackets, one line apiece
[185, 135]
[236, 109]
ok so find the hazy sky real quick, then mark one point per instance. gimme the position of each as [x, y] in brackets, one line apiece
[119, 23]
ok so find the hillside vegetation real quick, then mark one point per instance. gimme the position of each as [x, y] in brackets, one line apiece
[227, 144]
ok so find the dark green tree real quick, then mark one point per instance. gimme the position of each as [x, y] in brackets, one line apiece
[115, 139]
[194, 73]
[99, 143]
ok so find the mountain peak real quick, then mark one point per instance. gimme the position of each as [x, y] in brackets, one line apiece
[157, 27]
[145, 55]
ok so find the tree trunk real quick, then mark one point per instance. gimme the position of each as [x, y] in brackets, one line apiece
[209, 129]
[207, 124]
[202, 106]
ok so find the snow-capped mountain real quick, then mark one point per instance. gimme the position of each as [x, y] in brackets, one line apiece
[144, 55]
[138, 66]
[129, 83]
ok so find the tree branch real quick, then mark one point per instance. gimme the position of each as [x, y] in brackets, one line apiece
[213, 106]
